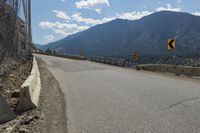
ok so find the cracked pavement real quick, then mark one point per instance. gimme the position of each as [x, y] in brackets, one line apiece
[107, 99]
[182, 101]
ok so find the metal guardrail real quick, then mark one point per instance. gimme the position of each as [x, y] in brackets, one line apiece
[110, 61]
[105, 60]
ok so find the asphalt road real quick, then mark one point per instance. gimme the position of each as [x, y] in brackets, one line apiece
[108, 99]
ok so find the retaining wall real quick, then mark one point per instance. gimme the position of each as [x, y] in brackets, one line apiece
[180, 70]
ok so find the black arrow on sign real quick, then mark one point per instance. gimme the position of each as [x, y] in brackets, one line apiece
[170, 44]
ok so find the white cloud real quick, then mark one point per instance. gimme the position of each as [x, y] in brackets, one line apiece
[196, 13]
[95, 5]
[98, 11]
[49, 38]
[89, 21]
[61, 14]
[133, 15]
[62, 0]
[128, 15]
[168, 8]
[78, 18]
[63, 29]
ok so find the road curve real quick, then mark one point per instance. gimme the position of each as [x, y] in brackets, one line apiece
[107, 99]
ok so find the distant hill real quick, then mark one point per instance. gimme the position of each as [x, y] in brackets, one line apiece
[39, 46]
[149, 35]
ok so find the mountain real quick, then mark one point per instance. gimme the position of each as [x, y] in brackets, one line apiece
[39, 46]
[149, 34]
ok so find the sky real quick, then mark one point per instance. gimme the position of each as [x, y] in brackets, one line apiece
[55, 19]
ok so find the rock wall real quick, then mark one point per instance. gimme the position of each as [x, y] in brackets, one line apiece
[6, 113]
[21, 49]
[12, 34]
[15, 58]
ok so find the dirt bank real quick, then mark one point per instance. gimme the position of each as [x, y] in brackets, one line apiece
[50, 117]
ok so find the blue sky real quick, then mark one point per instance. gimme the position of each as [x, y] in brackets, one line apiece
[56, 19]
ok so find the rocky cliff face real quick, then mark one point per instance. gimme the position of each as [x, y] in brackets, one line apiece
[15, 54]
[12, 34]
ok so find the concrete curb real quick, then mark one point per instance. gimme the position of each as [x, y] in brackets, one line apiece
[30, 90]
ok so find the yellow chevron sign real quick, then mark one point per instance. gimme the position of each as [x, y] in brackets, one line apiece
[171, 44]
[137, 56]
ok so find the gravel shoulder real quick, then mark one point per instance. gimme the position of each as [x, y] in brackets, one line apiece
[52, 106]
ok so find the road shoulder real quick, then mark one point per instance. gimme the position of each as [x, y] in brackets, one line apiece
[52, 103]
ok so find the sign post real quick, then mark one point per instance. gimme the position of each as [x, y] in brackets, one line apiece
[171, 47]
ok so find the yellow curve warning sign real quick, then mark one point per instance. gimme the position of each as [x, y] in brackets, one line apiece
[171, 44]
